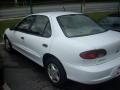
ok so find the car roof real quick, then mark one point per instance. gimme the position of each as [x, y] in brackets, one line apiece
[57, 13]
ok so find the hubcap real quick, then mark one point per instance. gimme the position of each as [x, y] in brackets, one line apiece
[53, 73]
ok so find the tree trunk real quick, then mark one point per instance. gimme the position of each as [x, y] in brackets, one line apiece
[15, 1]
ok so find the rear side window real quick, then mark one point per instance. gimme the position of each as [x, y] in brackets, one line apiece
[41, 26]
[78, 25]
[47, 30]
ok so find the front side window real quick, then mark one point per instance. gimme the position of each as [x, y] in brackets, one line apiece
[47, 30]
[78, 25]
[25, 23]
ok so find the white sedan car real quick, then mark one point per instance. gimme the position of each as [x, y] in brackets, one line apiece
[69, 45]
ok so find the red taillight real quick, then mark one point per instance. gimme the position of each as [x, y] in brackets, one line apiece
[93, 54]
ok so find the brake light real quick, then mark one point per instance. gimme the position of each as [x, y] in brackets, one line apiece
[93, 54]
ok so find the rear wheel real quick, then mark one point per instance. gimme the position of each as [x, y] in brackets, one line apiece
[8, 45]
[55, 72]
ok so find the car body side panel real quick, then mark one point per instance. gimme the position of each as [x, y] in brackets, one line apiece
[35, 47]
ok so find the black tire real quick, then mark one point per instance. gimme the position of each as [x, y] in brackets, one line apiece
[8, 45]
[62, 74]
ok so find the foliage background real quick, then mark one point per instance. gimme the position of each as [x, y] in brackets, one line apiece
[24, 3]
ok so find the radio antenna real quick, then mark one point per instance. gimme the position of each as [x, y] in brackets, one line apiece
[64, 8]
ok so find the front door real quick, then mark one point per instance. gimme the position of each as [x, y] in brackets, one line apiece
[20, 32]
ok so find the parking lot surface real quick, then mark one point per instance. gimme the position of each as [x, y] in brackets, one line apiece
[20, 73]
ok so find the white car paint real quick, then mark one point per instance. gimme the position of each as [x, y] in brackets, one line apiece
[67, 50]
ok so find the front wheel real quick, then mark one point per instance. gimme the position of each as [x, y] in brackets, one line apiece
[56, 72]
[8, 45]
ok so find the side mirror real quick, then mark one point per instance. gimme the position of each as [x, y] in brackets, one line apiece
[12, 28]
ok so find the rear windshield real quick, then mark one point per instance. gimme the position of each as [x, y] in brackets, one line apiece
[78, 25]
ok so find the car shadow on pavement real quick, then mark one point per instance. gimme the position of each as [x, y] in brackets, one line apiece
[110, 85]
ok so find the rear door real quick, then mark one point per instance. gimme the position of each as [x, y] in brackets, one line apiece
[39, 39]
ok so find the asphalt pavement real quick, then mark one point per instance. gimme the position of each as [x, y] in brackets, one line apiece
[20, 73]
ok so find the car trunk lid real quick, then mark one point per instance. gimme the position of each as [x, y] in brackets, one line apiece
[109, 40]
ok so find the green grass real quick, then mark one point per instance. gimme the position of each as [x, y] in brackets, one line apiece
[8, 23]
[97, 15]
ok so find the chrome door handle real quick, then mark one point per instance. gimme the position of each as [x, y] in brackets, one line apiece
[22, 37]
[44, 45]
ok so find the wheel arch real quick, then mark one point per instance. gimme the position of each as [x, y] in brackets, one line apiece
[48, 55]
[4, 36]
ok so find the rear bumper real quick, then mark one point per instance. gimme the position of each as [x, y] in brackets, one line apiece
[93, 74]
